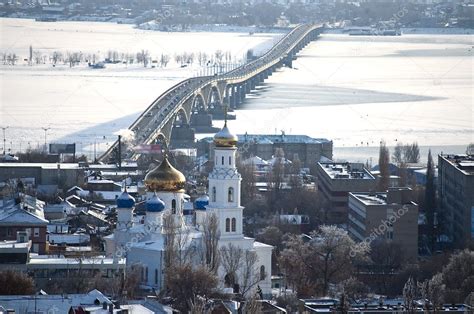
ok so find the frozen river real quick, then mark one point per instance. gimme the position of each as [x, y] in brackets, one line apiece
[353, 90]
[87, 105]
[359, 90]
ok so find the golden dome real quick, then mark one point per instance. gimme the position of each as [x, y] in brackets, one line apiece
[165, 178]
[224, 138]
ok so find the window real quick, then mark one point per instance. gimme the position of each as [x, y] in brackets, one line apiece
[173, 206]
[36, 232]
[234, 223]
[262, 272]
[227, 225]
[156, 276]
[230, 160]
[146, 274]
[230, 195]
[213, 193]
[222, 160]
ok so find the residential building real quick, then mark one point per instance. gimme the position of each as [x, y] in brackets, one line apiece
[335, 180]
[392, 216]
[456, 196]
[15, 219]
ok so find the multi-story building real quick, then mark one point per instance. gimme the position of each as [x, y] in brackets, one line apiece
[306, 149]
[456, 195]
[335, 180]
[392, 216]
[21, 219]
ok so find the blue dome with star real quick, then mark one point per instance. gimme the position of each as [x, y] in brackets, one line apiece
[125, 200]
[155, 204]
[201, 202]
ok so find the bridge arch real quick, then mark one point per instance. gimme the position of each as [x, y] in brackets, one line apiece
[181, 117]
[214, 99]
[198, 105]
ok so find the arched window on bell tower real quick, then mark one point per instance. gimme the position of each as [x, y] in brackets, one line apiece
[227, 225]
[173, 206]
[262, 273]
[230, 195]
[213, 193]
[234, 224]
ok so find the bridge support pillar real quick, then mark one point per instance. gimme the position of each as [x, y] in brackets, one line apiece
[235, 96]
[242, 91]
[247, 87]
[226, 100]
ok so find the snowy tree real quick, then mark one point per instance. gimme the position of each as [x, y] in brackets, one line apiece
[409, 295]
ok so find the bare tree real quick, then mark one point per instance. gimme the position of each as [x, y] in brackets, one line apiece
[218, 55]
[143, 57]
[247, 171]
[433, 290]
[178, 250]
[230, 260]
[22, 283]
[57, 56]
[211, 235]
[12, 58]
[470, 149]
[252, 305]
[240, 267]
[409, 295]
[37, 56]
[164, 59]
[311, 266]
[397, 155]
[186, 284]
[249, 275]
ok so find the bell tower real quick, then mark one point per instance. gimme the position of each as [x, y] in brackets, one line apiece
[224, 185]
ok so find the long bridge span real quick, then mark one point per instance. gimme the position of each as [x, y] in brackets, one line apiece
[202, 94]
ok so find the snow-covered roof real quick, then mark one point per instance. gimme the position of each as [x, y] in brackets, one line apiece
[19, 216]
[257, 244]
[255, 160]
[52, 303]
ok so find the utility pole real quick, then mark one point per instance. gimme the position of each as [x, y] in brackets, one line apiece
[45, 130]
[4, 139]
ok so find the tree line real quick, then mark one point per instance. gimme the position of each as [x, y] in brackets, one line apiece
[74, 58]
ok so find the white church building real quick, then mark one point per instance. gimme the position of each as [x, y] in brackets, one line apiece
[144, 243]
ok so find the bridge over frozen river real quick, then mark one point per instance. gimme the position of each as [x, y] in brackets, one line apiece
[211, 93]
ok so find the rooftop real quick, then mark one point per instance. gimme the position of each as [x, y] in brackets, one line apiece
[394, 195]
[14, 245]
[346, 170]
[371, 198]
[99, 260]
[465, 163]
